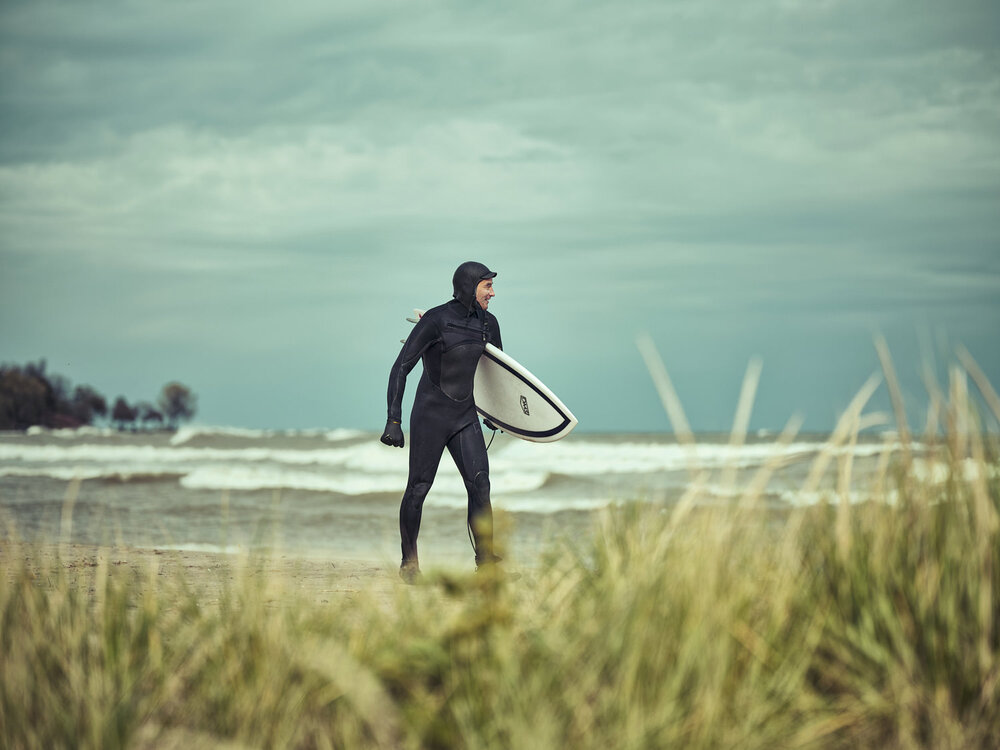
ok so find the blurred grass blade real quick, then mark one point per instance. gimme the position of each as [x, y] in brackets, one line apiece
[895, 394]
[981, 381]
[741, 419]
[840, 433]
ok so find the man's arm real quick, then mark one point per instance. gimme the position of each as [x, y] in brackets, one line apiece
[494, 325]
[424, 335]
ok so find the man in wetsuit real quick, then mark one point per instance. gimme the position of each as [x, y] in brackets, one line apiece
[449, 339]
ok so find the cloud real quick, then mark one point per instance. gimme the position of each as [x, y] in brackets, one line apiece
[248, 173]
[197, 190]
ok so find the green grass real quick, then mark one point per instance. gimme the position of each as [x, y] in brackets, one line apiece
[868, 625]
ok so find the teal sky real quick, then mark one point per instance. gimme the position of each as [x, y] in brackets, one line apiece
[250, 197]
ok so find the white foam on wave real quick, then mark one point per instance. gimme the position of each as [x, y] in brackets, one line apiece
[524, 503]
[938, 472]
[62, 473]
[583, 458]
[69, 473]
[448, 486]
[593, 458]
[346, 466]
[335, 436]
[261, 478]
[120, 455]
[68, 433]
[351, 469]
[800, 498]
[189, 433]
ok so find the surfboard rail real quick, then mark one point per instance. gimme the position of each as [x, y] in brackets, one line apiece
[565, 420]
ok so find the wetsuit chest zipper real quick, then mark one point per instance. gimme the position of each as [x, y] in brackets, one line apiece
[482, 331]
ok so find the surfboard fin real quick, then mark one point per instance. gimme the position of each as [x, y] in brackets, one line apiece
[419, 313]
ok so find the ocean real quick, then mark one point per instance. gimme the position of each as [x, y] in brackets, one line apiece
[335, 493]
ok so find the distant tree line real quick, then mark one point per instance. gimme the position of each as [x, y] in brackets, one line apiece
[30, 396]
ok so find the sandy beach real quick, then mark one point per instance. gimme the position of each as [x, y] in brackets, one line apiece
[317, 581]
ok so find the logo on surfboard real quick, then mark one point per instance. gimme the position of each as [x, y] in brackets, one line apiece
[524, 406]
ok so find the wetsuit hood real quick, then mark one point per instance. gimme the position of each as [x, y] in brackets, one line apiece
[466, 280]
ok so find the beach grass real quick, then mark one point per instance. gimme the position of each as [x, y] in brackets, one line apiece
[871, 623]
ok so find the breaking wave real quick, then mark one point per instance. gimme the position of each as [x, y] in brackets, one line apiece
[581, 472]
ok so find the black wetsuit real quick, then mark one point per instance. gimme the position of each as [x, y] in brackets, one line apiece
[449, 339]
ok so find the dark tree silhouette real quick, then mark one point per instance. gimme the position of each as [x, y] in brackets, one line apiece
[148, 415]
[177, 402]
[31, 396]
[88, 403]
[22, 399]
[123, 414]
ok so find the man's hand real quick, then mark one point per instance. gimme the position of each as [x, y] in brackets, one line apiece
[393, 434]
[490, 425]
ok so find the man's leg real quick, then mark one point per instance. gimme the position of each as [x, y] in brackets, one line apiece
[468, 449]
[425, 455]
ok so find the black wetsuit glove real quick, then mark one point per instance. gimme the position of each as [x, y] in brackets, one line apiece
[393, 434]
[490, 425]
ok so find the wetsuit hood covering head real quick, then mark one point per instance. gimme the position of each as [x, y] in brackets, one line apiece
[466, 280]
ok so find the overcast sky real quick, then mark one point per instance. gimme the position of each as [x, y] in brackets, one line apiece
[251, 199]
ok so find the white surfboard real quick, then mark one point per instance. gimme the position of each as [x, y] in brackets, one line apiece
[509, 396]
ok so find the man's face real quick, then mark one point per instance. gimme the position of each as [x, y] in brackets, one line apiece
[484, 293]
